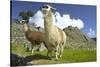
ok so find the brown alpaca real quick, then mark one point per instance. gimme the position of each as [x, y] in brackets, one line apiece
[33, 36]
[55, 37]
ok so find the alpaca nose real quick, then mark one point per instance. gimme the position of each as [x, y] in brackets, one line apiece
[44, 11]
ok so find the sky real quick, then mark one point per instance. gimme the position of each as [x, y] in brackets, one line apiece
[81, 16]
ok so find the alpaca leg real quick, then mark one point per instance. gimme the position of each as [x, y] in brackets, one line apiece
[32, 51]
[61, 51]
[49, 54]
[32, 46]
[39, 47]
[57, 53]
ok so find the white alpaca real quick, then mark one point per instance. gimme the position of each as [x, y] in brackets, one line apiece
[55, 37]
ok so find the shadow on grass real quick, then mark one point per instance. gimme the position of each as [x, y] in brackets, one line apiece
[22, 61]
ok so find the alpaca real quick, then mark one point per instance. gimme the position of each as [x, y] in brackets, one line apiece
[33, 36]
[55, 37]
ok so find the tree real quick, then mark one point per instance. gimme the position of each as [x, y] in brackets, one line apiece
[26, 15]
[16, 21]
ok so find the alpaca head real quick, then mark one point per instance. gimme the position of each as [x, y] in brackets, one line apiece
[46, 9]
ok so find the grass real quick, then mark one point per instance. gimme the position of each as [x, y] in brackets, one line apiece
[69, 56]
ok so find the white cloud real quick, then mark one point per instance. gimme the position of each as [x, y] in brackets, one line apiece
[65, 21]
[91, 33]
[61, 21]
[37, 19]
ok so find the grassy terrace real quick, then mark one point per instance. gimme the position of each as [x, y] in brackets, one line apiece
[69, 56]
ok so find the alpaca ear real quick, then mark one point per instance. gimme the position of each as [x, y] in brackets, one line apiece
[53, 10]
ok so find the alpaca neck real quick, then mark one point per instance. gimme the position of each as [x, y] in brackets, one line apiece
[26, 28]
[48, 22]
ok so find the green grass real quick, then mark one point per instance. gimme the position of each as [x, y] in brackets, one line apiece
[69, 55]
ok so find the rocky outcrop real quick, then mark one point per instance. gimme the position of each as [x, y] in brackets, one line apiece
[77, 39]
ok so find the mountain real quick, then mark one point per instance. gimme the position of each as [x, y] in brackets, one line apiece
[77, 39]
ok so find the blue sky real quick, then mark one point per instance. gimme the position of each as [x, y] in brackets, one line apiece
[85, 13]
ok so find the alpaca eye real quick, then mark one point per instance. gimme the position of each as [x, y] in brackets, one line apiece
[45, 6]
